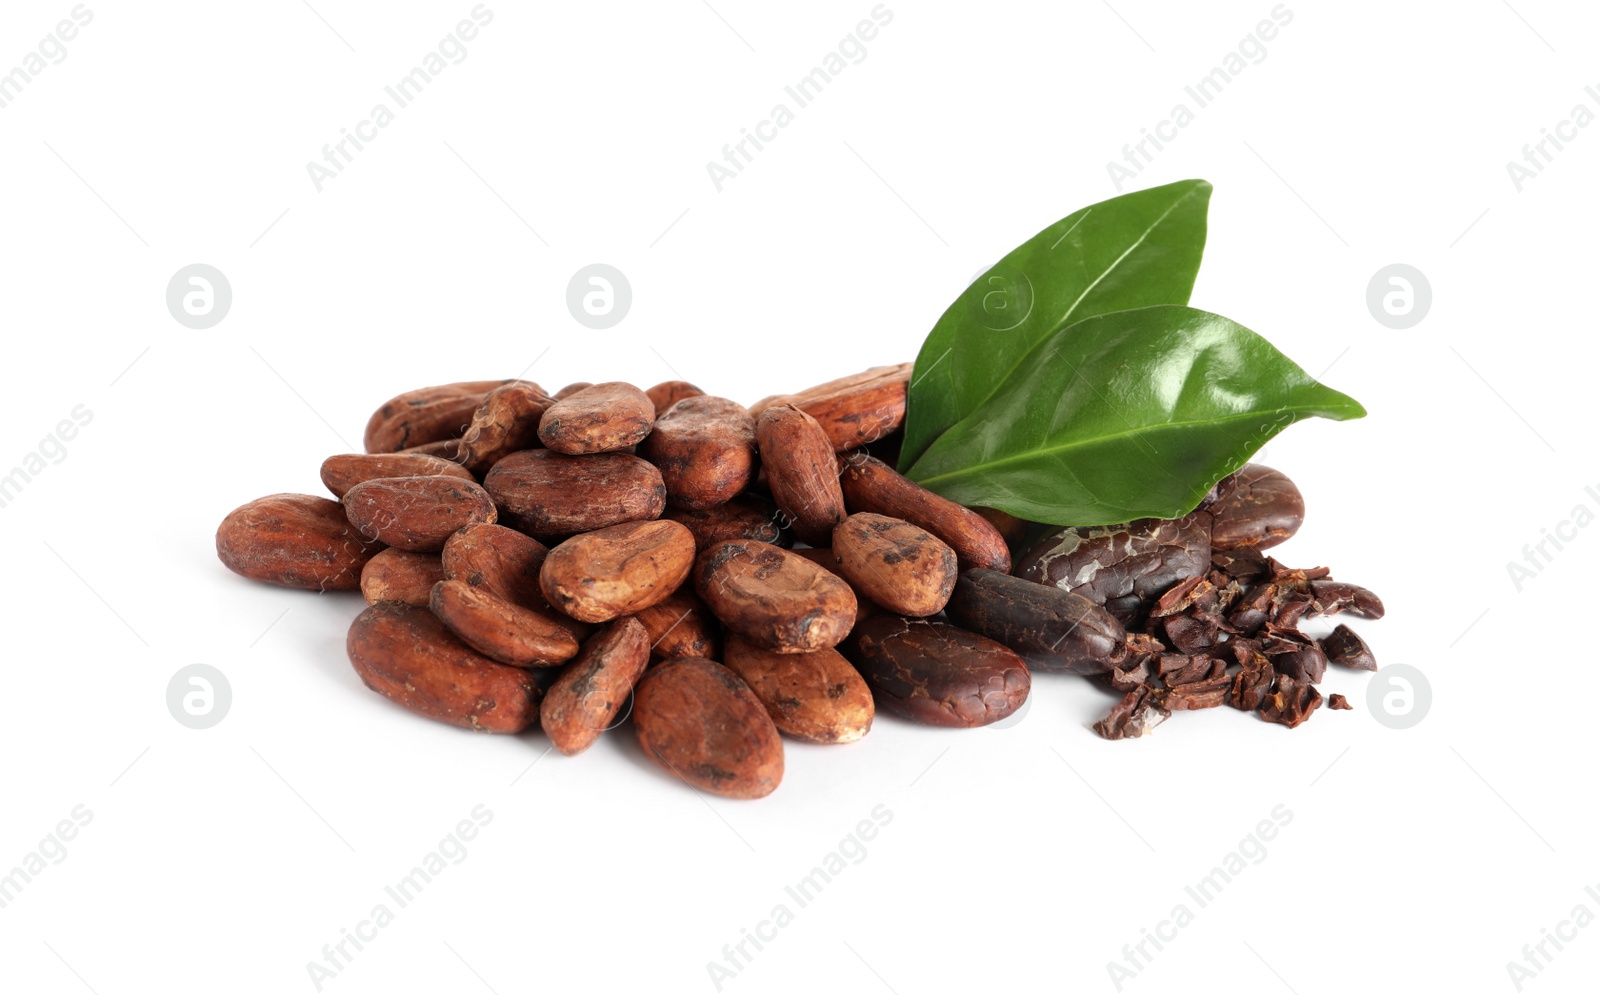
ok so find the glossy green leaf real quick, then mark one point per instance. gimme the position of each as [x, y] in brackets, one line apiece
[1131, 251]
[1128, 415]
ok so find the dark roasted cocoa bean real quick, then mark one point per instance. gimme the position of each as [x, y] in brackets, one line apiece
[1255, 508]
[406, 654]
[1137, 714]
[599, 419]
[416, 514]
[871, 485]
[1290, 703]
[550, 495]
[584, 701]
[818, 697]
[937, 674]
[705, 448]
[1344, 647]
[295, 540]
[1124, 567]
[699, 721]
[1308, 664]
[1332, 597]
[1052, 629]
[774, 598]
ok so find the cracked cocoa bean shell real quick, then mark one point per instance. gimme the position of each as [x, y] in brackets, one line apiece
[817, 697]
[295, 540]
[406, 654]
[618, 570]
[416, 514]
[549, 495]
[584, 701]
[701, 723]
[598, 419]
[899, 566]
[1052, 629]
[937, 674]
[776, 599]
[1123, 567]
[705, 448]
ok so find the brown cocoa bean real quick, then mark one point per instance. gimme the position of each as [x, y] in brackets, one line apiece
[705, 448]
[426, 415]
[937, 674]
[506, 421]
[1255, 508]
[500, 630]
[665, 395]
[855, 410]
[1052, 629]
[294, 540]
[416, 514]
[396, 575]
[748, 516]
[572, 388]
[406, 654]
[801, 471]
[1124, 567]
[618, 570]
[505, 563]
[598, 419]
[818, 697]
[680, 625]
[700, 722]
[871, 485]
[827, 560]
[584, 701]
[899, 566]
[774, 598]
[550, 495]
[342, 472]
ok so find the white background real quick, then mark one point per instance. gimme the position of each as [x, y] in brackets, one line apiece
[1021, 858]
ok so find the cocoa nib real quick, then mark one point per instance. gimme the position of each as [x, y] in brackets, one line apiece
[1138, 713]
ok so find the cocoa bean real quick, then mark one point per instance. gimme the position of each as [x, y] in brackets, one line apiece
[342, 472]
[584, 701]
[500, 630]
[871, 485]
[936, 674]
[1124, 567]
[294, 540]
[618, 570]
[396, 575]
[774, 598]
[429, 414]
[802, 471]
[406, 654]
[705, 448]
[598, 419]
[748, 516]
[1052, 629]
[680, 625]
[416, 514]
[550, 495]
[506, 421]
[665, 395]
[899, 566]
[1255, 508]
[505, 563]
[818, 697]
[700, 722]
[855, 410]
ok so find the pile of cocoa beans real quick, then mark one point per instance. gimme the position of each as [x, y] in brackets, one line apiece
[738, 574]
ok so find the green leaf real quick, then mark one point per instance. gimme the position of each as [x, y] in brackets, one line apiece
[1131, 251]
[1122, 416]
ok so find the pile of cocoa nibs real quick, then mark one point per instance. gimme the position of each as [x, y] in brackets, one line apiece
[719, 576]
